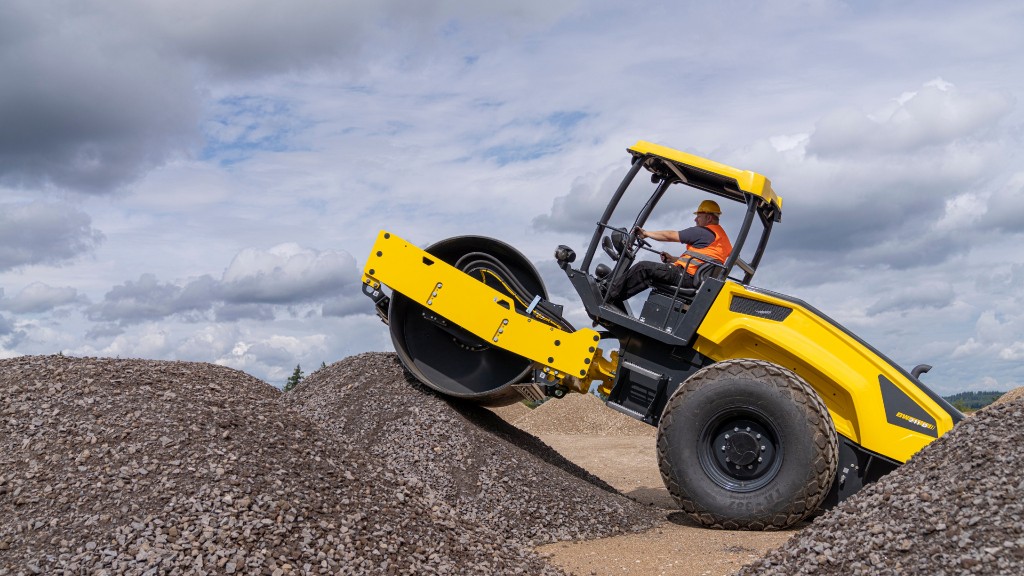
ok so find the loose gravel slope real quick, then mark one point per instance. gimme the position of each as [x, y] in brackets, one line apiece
[581, 414]
[146, 467]
[489, 471]
[956, 508]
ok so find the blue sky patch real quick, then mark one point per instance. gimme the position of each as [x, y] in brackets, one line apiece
[240, 126]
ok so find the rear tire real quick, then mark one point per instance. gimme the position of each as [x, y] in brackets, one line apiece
[747, 445]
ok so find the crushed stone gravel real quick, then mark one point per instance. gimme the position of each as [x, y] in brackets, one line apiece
[150, 467]
[581, 414]
[491, 472]
[1010, 396]
[511, 413]
[957, 507]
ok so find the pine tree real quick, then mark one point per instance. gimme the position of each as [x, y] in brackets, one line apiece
[294, 379]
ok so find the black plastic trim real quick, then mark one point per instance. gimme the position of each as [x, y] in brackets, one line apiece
[902, 411]
[856, 468]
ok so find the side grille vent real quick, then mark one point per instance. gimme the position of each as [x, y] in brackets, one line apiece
[752, 307]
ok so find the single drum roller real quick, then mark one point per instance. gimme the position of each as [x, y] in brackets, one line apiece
[450, 359]
[767, 410]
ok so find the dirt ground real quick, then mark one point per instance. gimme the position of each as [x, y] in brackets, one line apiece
[677, 547]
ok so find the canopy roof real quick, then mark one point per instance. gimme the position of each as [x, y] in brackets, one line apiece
[719, 179]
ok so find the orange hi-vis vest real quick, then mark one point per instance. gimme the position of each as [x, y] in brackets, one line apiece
[718, 250]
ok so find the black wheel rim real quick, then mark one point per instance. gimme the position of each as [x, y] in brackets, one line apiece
[739, 449]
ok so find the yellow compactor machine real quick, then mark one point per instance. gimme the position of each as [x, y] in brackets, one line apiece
[766, 409]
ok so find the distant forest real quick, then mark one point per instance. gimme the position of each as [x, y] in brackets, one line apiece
[972, 400]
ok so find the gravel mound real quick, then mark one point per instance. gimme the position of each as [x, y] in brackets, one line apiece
[146, 467]
[490, 471]
[957, 507]
[511, 413]
[581, 414]
[1011, 396]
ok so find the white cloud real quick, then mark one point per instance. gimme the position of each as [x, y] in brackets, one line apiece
[934, 116]
[968, 349]
[38, 297]
[251, 286]
[1014, 352]
[44, 233]
[1006, 206]
[277, 355]
[961, 212]
[209, 343]
[918, 296]
[149, 341]
[287, 273]
[169, 148]
[794, 142]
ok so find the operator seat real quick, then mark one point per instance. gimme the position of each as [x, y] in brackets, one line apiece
[685, 293]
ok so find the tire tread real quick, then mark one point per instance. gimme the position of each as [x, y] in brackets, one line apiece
[802, 395]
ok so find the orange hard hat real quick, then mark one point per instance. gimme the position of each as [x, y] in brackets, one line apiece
[709, 207]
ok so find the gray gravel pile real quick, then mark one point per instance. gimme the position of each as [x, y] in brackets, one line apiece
[493, 473]
[145, 467]
[1012, 395]
[581, 414]
[957, 507]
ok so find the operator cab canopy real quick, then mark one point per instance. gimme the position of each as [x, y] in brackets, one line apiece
[718, 179]
[669, 167]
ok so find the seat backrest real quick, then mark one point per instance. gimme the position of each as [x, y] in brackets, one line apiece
[687, 293]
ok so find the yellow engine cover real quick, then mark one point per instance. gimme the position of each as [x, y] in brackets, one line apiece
[872, 401]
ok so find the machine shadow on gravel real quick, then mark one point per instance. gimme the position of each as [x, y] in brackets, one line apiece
[488, 422]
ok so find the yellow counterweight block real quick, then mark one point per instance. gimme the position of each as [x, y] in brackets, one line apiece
[872, 402]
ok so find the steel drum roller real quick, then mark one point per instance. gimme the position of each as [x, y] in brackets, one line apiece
[449, 359]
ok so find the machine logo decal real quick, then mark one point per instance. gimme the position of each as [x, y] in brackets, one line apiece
[902, 411]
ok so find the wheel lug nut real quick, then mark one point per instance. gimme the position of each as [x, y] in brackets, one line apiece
[759, 459]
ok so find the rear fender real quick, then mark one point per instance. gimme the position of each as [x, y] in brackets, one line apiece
[872, 401]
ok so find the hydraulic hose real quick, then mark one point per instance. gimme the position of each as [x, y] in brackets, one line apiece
[485, 264]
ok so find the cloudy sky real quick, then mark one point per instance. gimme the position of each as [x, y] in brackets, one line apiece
[202, 180]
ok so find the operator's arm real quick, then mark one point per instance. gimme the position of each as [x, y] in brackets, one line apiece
[696, 236]
[660, 235]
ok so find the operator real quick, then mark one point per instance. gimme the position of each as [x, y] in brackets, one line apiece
[706, 238]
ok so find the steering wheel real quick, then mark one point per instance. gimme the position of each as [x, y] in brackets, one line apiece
[618, 243]
[621, 244]
[634, 243]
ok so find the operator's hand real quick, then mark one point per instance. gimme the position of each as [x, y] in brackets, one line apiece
[667, 258]
[640, 233]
